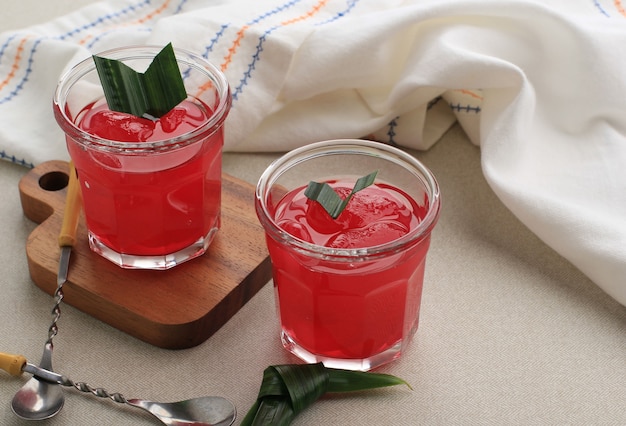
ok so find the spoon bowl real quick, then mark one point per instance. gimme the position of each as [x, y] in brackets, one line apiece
[39, 399]
[207, 411]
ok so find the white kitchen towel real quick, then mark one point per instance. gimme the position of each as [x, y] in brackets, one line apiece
[539, 85]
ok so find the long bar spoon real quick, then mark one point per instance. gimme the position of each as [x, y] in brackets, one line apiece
[37, 399]
[203, 411]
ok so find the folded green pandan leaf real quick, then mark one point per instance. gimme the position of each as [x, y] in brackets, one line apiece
[286, 390]
[150, 94]
[324, 194]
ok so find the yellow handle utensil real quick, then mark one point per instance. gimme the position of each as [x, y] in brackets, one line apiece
[73, 201]
[67, 236]
[12, 364]
[15, 365]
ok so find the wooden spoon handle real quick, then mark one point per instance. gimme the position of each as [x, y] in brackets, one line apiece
[12, 364]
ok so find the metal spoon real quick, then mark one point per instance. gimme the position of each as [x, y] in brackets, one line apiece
[207, 410]
[39, 399]
[203, 411]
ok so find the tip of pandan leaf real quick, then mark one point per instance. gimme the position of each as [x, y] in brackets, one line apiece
[349, 381]
[408, 385]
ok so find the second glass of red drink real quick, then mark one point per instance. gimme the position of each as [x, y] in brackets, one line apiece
[348, 289]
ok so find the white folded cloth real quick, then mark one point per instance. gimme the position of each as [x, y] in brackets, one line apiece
[539, 85]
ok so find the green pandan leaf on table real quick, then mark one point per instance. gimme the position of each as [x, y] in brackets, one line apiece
[286, 390]
[151, 94]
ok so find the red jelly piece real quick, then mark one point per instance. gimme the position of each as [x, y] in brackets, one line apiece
[369, 236]
[119, 126]
[367, 207]
[319, 219]
[295, 228]
[171, 120]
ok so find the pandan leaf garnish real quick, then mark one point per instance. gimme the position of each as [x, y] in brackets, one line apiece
[151, 94]
[324, 194]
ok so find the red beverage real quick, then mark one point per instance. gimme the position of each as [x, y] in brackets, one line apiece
[348, 290]
[149, 202]
[151, 188]
[362, 310]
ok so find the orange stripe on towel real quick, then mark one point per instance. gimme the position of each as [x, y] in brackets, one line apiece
[86, 39]
[470, 93]
[233, 49]
[139, 21]
[314, 10]
[241, 33]
[619, 7]
[156, 12]
[16, 64]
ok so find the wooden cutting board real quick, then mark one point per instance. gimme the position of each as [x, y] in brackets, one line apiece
[175, 309]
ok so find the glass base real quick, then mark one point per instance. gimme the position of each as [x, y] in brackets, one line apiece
[364, 364]
[157, 262]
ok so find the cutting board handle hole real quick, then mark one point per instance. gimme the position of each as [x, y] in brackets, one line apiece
[53, 181]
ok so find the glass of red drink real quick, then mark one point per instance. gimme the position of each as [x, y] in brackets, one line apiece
[151, 188]
[348, 290]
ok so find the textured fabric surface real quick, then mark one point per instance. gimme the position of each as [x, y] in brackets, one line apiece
[511, 333]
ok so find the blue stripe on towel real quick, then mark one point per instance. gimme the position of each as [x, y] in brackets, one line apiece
[597, 4]
[15, 160]
[247, 75]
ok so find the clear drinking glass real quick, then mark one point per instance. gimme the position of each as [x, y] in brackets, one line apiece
[352, 305]
[148, 205]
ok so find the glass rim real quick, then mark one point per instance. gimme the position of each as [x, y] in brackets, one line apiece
[183, 56]
[355, 147]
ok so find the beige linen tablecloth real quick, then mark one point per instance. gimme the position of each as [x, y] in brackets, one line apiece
[510, 333]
